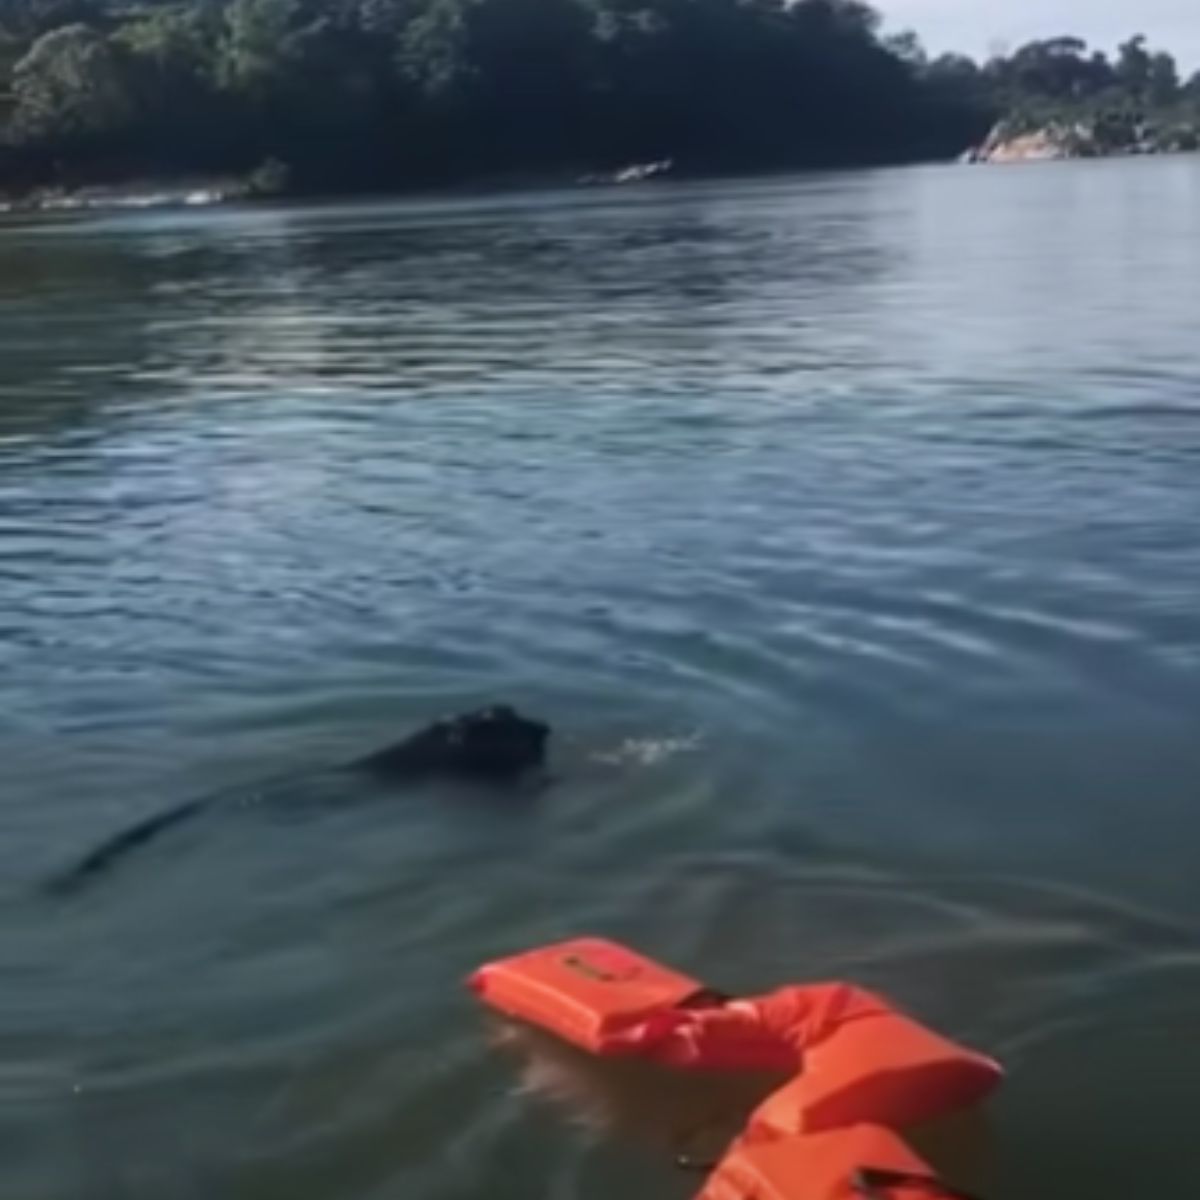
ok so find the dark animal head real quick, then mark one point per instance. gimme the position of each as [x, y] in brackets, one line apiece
[491, 744]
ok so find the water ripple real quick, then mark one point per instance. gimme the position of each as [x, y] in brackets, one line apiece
[871, 498]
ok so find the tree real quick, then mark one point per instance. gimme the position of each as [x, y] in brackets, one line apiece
[178, 44]
[29, 19]
[532, 66]
[171, 53]
[850, 17]
[958, 72]
[1099, 73]
[72, 86]
[907, 46]
[351, 93]
[1134, 67]
[258, 47]
[1053, 68]
[432, 52]
[1057, 77]
[1162, 85]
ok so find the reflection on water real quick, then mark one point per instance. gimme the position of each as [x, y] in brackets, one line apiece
[843, 526]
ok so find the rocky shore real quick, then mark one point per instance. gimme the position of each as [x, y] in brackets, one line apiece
[50, 199]
[1017, 140]
[271, 179]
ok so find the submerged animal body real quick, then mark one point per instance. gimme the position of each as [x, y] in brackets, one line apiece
[493, 746]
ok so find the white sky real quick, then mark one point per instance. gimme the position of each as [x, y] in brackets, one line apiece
[978, 26]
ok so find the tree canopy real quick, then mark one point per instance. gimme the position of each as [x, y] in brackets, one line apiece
[383, 93]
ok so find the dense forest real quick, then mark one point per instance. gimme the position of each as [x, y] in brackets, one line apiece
[351, 94]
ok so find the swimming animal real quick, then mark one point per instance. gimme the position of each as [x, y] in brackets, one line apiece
[493, 746]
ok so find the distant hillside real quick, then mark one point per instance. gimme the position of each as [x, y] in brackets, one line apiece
[340, 95]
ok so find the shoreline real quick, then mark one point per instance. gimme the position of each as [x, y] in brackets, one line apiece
[148, 195]
[134, 195]
[274, 183]
[1058, 138]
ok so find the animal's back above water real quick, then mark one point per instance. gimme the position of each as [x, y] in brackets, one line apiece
[494, 746]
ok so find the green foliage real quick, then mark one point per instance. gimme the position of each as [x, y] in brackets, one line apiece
[1162, 86]
[259, 50]
[72, 86]
[29, 19]
[1093, 105]
[1134, 66]
[178, 44]
[353, 93]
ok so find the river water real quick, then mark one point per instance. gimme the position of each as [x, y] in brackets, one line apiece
[845, 527]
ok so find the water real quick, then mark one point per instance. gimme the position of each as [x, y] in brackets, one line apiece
[844, 526]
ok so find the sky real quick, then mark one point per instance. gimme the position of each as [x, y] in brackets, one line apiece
[977, 27]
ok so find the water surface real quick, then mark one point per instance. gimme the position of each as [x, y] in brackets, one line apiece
[845, 527]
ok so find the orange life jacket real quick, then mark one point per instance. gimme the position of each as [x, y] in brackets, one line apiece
[863, 1162]
[863, 1061]
[596, 994]
[856, 1058]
